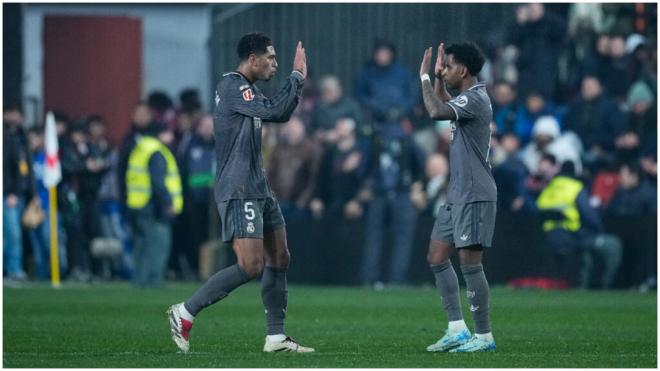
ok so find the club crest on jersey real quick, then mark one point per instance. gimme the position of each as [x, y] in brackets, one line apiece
[248, 95]
[460, 101]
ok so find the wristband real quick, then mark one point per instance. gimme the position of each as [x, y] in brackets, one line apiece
[425, 77]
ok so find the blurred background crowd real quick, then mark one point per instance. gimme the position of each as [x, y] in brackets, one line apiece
[574, 94]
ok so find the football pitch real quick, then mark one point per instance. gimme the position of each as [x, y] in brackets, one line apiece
[115, 325]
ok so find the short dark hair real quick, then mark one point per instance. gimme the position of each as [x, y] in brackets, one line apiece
[11, 106]
[256, 43]
[384, 44]
[468, 54]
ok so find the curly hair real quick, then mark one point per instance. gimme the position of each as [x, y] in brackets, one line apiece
[256, 43]
[469, 55]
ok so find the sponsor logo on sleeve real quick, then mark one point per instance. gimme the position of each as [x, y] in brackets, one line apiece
[460, 101]
[217, 98]
[248, 95]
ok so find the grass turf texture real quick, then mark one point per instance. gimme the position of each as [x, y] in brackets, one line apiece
[115, 325]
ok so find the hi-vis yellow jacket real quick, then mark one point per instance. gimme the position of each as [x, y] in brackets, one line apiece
[138, 180]
[561, 195]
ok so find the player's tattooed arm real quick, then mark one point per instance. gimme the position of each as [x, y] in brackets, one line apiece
[438, 110]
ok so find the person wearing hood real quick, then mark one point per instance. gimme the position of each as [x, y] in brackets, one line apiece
[385, 88]
[547, 139]
[641, 131]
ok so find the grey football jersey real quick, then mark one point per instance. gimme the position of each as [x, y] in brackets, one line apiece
[240, 109]
[471, 178]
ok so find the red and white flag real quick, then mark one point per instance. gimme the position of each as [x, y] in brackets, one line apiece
[53, 170]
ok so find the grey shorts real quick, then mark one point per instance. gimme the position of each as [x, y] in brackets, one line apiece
[465, 224]
[249, 218]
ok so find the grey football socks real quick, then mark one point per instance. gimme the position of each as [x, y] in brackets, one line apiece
[275, 297]
[446, 282]
[477, 293]
[216, 288]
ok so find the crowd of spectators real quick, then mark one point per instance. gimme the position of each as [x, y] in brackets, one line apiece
[578, 88]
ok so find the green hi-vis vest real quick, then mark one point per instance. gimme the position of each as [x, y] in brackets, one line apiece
[138, 180]
[561, 195]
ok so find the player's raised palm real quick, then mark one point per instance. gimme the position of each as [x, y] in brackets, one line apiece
[300, 60]
[439, 67]
[426, 61]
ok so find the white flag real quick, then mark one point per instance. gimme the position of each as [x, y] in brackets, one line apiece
[53, 170]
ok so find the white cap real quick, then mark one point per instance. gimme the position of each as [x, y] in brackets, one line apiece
[547, 125]
[634, 41]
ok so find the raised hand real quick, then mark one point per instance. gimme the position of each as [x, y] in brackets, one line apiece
[426, 61]
[300, 60]
[439, 67]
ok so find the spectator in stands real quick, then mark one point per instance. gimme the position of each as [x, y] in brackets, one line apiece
[649, 164]
[162, 108]
[387, 90]
[142, 120]
[510, 177]
[597, 120]
[547, 139]
[581, 55]
[154, 197]
[292, 168]
[538, 36]
[614, 73]
[537, 181]
[188, 116]
[635, 196]
[642, 128]
[571, 226]
[505, 109]
[112, 223]
[643, 59]
[74, 156]
[604, 185]
[17, 179]
[340, 174]
[430, 195]
[197, 174]
[308, 100]
[395, 164]
[534, 107]
[333, 105]
[96, 165]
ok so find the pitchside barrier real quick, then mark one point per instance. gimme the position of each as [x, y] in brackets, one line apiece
[330, 251]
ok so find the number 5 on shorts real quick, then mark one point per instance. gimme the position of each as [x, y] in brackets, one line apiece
[249, 211]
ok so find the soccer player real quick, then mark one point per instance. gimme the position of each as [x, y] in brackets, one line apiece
[249, 213]
[467, 221]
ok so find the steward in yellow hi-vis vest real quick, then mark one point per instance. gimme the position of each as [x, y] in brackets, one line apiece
[561, 195]
[139, 187]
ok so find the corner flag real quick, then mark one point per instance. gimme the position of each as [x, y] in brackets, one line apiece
[52, 176]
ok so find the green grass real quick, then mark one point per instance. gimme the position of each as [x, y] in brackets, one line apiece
[115, 325]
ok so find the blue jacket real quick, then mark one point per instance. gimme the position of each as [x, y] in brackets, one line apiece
[388, 93]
